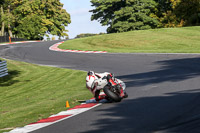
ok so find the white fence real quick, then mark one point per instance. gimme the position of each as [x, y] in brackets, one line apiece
[3, 69]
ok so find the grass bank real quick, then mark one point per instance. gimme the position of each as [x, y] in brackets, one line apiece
[33, 92]
[166, 40]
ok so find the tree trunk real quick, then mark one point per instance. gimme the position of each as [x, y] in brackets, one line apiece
[9, 31]
[9, 28]
[2, 24]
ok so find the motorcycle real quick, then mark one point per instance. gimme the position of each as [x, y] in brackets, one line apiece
[113, 88]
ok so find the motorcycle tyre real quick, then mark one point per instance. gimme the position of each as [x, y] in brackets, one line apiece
[111, 94]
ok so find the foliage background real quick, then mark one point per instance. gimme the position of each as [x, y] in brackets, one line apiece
[128, 15]
[33, 19]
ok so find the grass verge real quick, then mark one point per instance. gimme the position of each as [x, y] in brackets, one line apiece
[33, 92]
[166, 40]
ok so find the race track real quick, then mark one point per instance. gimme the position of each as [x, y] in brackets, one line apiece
[164, 90]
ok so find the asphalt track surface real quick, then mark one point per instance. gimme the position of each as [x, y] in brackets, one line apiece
[164, 90]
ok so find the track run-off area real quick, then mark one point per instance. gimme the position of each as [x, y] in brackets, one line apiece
[164, 89]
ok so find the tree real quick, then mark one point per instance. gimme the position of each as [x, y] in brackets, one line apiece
[86, 35]
[189, 11]
[166, 14]
[47, 16]
[30, 27]
[125, 15]
[7, 18]
[2, 18]
[32, 19]
[178, 13]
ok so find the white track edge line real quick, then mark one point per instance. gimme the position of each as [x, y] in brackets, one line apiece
[42, 125]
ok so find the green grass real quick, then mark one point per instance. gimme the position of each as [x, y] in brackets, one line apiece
[3, 42]
[166, 40]
[8, 42]
[33, 92]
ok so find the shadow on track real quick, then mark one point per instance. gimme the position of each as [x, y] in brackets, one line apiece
[151, 114]
[170, 112]
[172, 70]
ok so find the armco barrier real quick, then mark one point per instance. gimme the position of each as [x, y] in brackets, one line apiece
[3, 69]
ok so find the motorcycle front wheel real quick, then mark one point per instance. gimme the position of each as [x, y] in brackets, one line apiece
[111, 94]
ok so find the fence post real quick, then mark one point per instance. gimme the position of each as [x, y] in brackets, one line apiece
[3, 69]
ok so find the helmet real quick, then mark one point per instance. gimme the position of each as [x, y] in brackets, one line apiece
[91, 77]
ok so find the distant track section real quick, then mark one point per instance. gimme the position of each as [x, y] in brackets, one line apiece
[55, 48]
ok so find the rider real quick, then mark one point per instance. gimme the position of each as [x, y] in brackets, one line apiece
[96, 81]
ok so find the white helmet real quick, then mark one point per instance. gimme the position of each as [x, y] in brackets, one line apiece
[91, 77]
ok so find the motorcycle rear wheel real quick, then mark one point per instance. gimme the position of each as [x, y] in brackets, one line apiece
[111, 94]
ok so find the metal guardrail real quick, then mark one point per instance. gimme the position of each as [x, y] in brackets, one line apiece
[3, 69]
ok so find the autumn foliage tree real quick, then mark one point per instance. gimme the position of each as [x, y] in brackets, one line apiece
[188, 11]
[178, 13]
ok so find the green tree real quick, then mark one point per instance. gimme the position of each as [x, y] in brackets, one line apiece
[125, 15]
[2, 18]
[47, 17]
[30, 27]
[7, 18]
[85, 35]
[33, 18]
